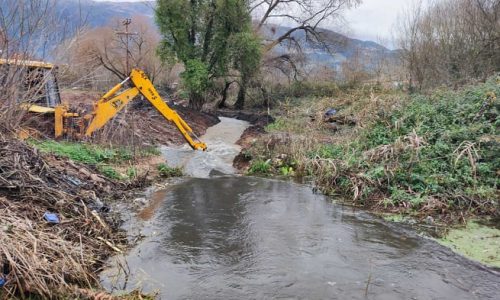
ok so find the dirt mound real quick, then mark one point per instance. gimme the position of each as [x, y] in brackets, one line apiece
[36, 256]
[152, 127]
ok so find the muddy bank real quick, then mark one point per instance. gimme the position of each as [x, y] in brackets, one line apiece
[138, 124]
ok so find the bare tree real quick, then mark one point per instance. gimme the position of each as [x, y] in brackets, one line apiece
[303, 20]
[300, 15]
[101, 52]
[451, 42]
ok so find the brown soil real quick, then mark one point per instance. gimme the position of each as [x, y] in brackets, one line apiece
[151, 126]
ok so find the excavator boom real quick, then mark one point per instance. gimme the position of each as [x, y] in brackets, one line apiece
[111, 104]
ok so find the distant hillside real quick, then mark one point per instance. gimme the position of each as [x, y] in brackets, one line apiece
[96, 14]
[341, 48]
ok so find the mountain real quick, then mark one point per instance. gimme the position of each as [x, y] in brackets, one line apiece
[340, 48]
[95, 14]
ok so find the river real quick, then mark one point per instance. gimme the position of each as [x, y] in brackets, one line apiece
[217, 236]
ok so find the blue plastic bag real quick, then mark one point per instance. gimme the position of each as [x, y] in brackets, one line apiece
[51, 218]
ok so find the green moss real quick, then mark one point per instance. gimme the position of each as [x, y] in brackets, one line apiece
[397, 218]
[476, 241]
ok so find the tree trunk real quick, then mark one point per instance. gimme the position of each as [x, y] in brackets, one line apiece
[196, 101]
[240, 102]
[222, 103]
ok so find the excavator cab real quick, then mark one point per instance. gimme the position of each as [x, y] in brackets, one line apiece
[39, 87]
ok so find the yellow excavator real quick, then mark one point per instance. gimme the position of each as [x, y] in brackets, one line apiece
[105, 108]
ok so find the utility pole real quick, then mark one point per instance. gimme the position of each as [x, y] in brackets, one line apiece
[127, 35]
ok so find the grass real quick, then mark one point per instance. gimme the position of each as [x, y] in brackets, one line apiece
[260, 167]
[167, 172]
[100, 156]
[433, 154]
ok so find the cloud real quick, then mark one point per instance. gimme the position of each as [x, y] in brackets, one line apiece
[375, 19]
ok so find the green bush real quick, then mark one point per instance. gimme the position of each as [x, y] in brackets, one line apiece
[444, 146]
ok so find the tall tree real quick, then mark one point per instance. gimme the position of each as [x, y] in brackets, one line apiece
[213, 39]
[302, 17]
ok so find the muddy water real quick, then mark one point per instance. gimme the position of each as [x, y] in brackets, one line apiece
[230, 237]
[250, 238]
[218, 159]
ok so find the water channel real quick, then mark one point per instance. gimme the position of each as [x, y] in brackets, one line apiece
[217, 236]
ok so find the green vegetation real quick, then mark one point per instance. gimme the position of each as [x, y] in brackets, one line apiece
[210, 38]
[430, 154]
[260, 167]
[85, 153]
[110, 172]
[101, 157]
[479, 242]
[90, 153]
[166, 171]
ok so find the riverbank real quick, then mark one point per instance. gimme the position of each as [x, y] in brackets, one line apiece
[57, 227]
[430, 160]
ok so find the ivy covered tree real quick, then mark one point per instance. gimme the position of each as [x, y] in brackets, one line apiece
[212, 38]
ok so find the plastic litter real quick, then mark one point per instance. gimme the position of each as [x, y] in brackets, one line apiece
[2, 282]
[330, 112]
[74, 181]
[51, 218]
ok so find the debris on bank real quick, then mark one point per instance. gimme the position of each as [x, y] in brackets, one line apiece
[55, 231]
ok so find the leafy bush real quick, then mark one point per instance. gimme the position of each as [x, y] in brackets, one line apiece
[442, 147]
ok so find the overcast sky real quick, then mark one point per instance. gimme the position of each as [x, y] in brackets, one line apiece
[372, 20]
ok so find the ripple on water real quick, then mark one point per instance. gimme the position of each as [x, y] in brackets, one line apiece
[222, 150]
[250, 238]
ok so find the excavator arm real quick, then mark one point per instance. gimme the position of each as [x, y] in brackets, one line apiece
[112, 103]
